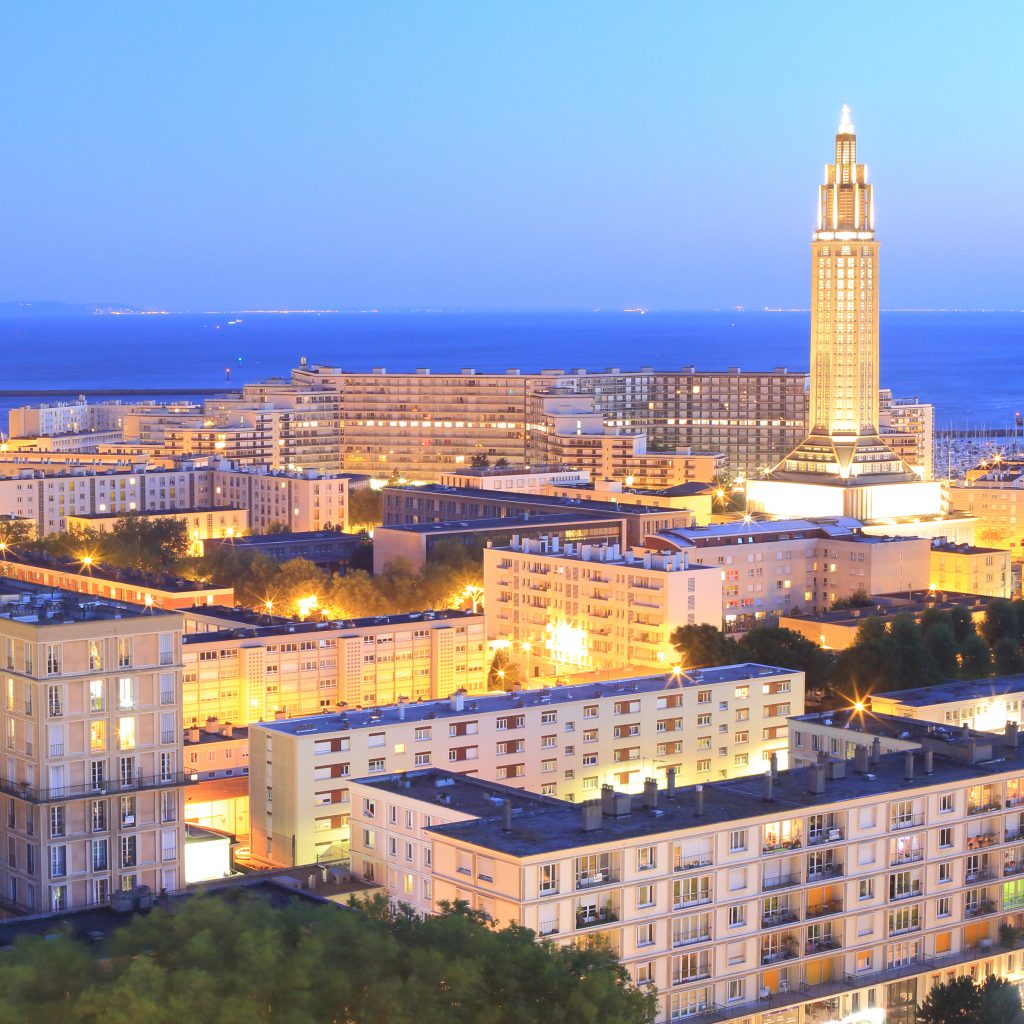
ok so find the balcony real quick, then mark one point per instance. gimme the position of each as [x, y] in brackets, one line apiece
[825, 835]
[1013, 833]
[773, 845]
[777, 917]
[906, 894]
[595, 878]
[995, 804]
[825, 944]
[824, 909]
[907, 821]
[979, 842]
[694, 863]
[1013, 867]
[980, 909]
[787, 950]
[34, 795]
[591, 920]
[906, 857]
[980, 875]
[780, 882]
[825, 871]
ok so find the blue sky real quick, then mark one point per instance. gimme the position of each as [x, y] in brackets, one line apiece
[487, 155]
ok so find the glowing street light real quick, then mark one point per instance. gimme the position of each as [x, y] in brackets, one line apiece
[307, 605]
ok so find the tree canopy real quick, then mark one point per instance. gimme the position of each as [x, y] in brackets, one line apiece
[963, 1001]
[233, 959]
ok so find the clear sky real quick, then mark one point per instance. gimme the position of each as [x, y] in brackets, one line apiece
[500, 155]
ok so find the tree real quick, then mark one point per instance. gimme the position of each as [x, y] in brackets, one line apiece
[234, 957]
[479, 460]
[858, 599]
[503, 673]
[911, 663]
[365, 508]
[704, 645]
[1008, 657]
[152, 543]
[15, 532]
[962, 622]
[963, 1001]
[975, 657]
[787, 649]
[940, 643]
[1000, 620]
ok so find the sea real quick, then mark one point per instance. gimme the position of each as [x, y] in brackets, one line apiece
[970, 365]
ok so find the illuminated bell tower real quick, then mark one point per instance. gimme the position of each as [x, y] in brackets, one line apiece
[843, 436]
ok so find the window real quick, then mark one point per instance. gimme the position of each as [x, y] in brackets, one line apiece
[646, 858]
[945, 838]
[376, 764]
[124, 652]
[58, 821]
[737, 916]
[125, 693]
[129, 852]
[942, 907]
[737, 841]
[645, 934]
[946, 803]
[55, 701]
[866, 889]
[547, 881]
[97, 695]
[946, 871]
[644, 896]
[58, 861]
[98, 854]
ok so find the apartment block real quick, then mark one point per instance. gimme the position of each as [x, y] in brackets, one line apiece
[201, 524]
[780, 566]
[984, 704]
[51, 493]
[994, 494]
[434, 503]
[908, 427]
[593, 609]
[968, 569]
[565, 741]
[248, 673]
[92, 783]
[518, 479]
[840, 891]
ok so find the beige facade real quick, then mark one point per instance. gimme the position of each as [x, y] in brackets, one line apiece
[301, 500]
[778, 567]
[517, 479]
[971, 570]
[584, 609]
[984, 704]
[253, 673]
[567, 742]
[93, 776]
[995, 496]
[830, 891]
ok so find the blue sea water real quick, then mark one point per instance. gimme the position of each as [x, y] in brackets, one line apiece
[970, 365]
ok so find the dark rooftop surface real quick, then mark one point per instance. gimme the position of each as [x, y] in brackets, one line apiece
[497, 702]
[906, 602]
[547, 500]
[132, 577]
[955, 690]
[299, 536]
[894, 727]
[502, 523]
[50, 606]
[287, 627]
[463, 793]
[552, 829]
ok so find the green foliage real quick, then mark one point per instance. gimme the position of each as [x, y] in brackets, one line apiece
[365, 508]
[16, 533]
[1007, 656]
[963, 1001]
[700, 646]
[975, 657]
[235, 960]
[787, 649]
[503, 673]
[1000, 620]
[858, 599]
[480, 461]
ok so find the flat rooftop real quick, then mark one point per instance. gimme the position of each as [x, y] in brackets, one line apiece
[109, 573]
[896, 727]
[554, 829]
[949, 548]
[300, 536]
[464, 793]
[540, 520]
[952, 691]
[547, 500]
[157, 513]
[50, 606]
[907, 602]
[498, 702]
[287, 627]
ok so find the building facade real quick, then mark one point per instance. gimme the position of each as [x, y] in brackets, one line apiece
[566, 741]
[92, 783]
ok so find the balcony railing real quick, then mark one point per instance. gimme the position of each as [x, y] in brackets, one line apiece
[906, 894]
[909, 821]
[823, 945]
[769, 845]
[774, 919]
[906, 857]
[593, 878]
[980, 875]
[776, 956]
[825, 871]
[980, 908]
[780, 882]
[979, 842]
[693, 863]
[825, 835]
[994, 804]
[603, 916]
[824, 909]
[35, 795]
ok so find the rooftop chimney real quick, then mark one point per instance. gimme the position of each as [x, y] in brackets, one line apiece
[908, 766]
[817, 780]
[773, 765]
[699, 791]
[768, 781]
[670, 783]
[401, 710]
[212, 727]
[876, 750]
[608, 800]
[860, 759]
[1011, 734]
[650, 794]
[506, 816]
[458, 701]
[929, 762]
[590, 815]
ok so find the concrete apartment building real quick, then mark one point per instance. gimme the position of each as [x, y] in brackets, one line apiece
[781, 566]
[994, 494]
[518, 479]
[593, 609]
[202, 524]
[436, 504]
[842, 891]
[984, 704]
[248, 673]
[93, 774]
[971, 570]
[300, 500]
[908, 427]
[564, 741]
